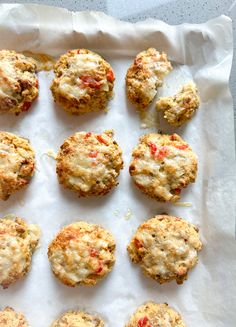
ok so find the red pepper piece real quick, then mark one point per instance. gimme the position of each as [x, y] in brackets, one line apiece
[26, 106]
[100, 268]
[87, 135]
[93, 154]
[110, 76]
[182, 147]
[78, 51]
[93, 253]
[177, 190]
[142, 321]
[162, 153]
[153, 148]
[101, 139]
[137, 243]
[173, 137]
[90, 82]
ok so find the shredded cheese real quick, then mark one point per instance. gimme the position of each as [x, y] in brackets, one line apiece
[128, 214]
[51, 153]
[183, 204]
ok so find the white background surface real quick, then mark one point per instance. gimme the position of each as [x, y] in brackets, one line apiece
[207, 299]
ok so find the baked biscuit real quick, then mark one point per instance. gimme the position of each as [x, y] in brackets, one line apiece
[18, 82]
[162, 165]
[11, 318]
[17, 164]
[89, 163]
[145, 75]
[83, 82]
[78, 319]
[155, 315]
[18, 241]
[82, 254]
[166, 248]
[181, 107]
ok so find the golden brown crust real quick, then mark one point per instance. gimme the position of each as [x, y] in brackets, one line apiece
[83, 83]
[18, 241]
[82, 254]
[78, 319]
[162, 165]
[180, 108]
[17, 164]
[89, 163]
[145, 75]
[166, 247]
[11, 318]
[155, 315]
[18, 82]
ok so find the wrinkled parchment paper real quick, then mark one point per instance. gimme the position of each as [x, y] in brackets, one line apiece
[199, 52]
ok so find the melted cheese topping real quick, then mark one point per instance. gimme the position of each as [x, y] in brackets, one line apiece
[11, 318]
[16, 163]
[18, 82]
[166, 247]
[17, 243]
[78, 319]
[155, 315]
[145, 75]
[7, 72]
[82, 253]
[84, 70]
[89, 164]
[180, 108]
[162, 166]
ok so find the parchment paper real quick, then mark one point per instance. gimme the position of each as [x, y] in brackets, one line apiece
[199, 52]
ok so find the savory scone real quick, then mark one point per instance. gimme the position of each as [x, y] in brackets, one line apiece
[18, 82]
[83, 82]
[181, 107]
[155, 315]
[145, 75]
[82, 254]
[89, 163]
[77, 319]
[17, 164]
[11, 318]
[162, 165]
[166, 248]
[18, 241]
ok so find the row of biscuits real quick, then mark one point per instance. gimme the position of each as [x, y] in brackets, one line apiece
[84, 82]
[90, 163]
[148, 314]
[166, 248]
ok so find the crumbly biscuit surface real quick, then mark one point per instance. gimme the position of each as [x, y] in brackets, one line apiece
[181, 107]
[162, 165]
[17, 164]
[82, 253]
[18, 241]
[166, 248]
[11, 318]
[78, 319]
[89, 163]
[145, 75]
[18, 82]
[83, 82]
[155, 315]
